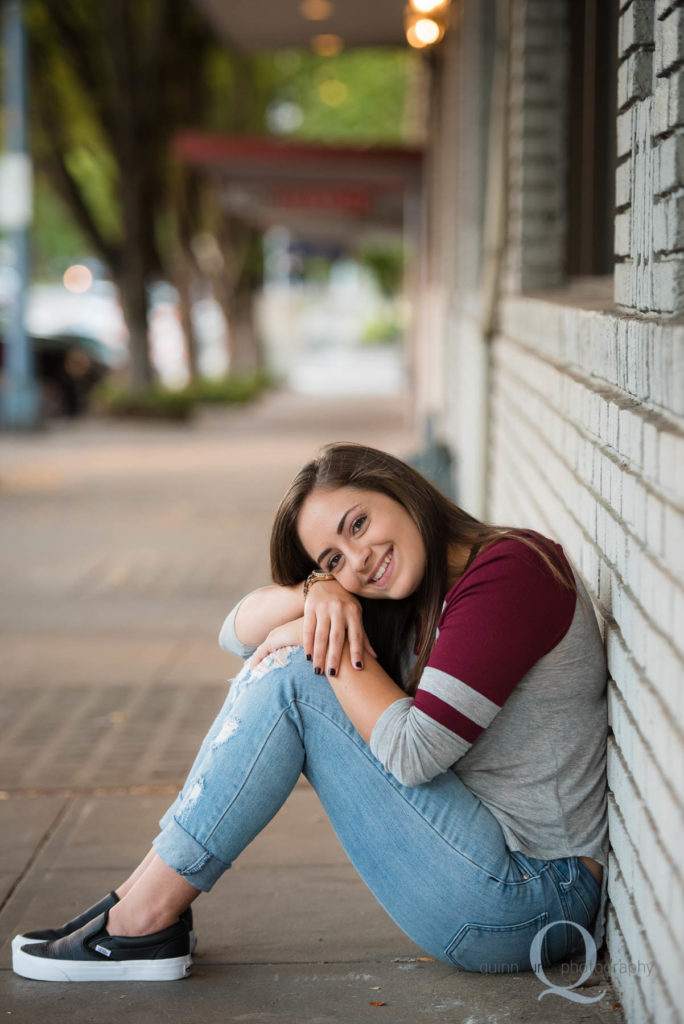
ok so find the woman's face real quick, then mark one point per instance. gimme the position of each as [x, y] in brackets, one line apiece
[366, 539]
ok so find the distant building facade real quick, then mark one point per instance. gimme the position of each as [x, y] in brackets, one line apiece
[549, 358]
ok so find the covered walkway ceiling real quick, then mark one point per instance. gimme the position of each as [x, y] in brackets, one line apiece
[274, 24]
[316, 190]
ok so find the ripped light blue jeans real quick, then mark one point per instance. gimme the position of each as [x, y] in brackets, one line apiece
[433, 855]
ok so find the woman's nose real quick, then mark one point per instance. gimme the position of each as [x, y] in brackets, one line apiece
[362, 559]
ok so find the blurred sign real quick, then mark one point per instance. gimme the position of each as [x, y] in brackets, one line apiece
[347, 200]
[16, 190]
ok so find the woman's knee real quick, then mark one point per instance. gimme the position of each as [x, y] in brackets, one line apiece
[285, 669]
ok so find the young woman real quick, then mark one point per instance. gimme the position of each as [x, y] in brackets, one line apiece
[441, 683]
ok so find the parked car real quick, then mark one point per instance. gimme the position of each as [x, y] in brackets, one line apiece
[68, 366]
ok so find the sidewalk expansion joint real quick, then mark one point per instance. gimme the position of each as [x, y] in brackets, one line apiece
[152, 789]
[40, 846]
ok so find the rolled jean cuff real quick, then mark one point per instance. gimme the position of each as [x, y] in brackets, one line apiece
[187, 857]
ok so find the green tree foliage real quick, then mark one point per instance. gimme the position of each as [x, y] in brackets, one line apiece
[355, 96]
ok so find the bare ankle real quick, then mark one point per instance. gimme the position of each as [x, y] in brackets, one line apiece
[130, 921]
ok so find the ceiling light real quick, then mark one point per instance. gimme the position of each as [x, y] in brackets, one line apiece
[316, 10]
[427, 6]
[422, 29]
[327, 45]
[427, 31]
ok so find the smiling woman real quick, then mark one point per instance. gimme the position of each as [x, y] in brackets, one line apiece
[373, 548]
[441, 683]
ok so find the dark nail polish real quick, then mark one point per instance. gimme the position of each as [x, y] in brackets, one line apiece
[358, 664]
[331, 671]
[317, 671]
[308, 657]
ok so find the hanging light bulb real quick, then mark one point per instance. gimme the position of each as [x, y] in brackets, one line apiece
[425, 22]
[428, 6]
[427, 31]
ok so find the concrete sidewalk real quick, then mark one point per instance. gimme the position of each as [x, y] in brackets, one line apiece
[122, 550]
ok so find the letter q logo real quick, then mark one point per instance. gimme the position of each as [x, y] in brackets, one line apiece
[565, 991]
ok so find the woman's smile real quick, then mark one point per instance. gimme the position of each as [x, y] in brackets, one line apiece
[383, 573]
[366, 539]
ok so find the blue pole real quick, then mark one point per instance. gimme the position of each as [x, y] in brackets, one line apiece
[20, 403]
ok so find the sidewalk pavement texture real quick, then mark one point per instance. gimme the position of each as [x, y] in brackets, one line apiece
[122, 548]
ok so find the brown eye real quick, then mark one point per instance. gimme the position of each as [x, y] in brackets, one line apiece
[358, 523]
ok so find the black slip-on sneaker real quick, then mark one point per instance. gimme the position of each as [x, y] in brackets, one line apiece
[51, 934]
[91, 954]
[105, 904]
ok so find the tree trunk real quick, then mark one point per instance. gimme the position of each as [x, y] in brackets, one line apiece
[243, 340]
[183, 277]
[134, 301]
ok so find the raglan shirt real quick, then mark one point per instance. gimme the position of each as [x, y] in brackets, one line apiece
[505, 613]
[512, 700]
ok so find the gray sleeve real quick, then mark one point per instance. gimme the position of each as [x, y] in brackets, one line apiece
[413, 747]
[228, 638]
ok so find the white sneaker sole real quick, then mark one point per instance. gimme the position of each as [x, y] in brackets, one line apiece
[42, 969]
[20, 940]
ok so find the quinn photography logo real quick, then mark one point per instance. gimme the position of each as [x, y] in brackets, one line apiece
[565, 991]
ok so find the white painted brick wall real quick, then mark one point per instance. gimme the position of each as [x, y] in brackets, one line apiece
[536, 253]
[669, 39]
[635, 27]
[649, 233]
[582, 451]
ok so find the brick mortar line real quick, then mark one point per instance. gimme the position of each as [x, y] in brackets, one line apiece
[670, 10]
[620, 875]
[608, 616]
[611, 913]
[623, 462]
[673, 7]
[661, 418]
[618, 521]
[636, 48]
[631, 103]
[643, 874]
[652, 823]
[671, 69]
[647, 684]
[667, 784]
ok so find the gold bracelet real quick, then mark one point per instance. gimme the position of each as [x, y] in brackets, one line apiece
[317, 576]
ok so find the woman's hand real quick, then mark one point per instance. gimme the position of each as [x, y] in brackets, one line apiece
[287, 635]
[331, 616]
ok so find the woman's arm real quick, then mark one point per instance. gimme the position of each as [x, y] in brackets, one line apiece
[364, 694]
[265, 609]
[330, 615]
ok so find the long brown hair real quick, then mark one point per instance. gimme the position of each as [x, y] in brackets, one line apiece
[440, 523]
